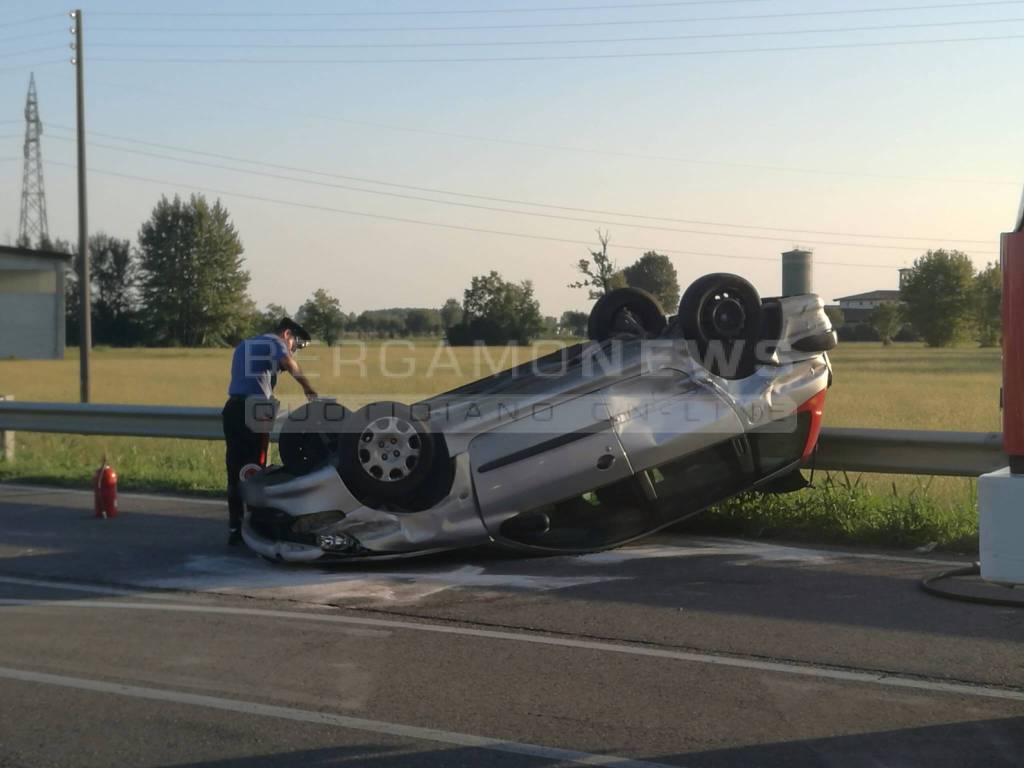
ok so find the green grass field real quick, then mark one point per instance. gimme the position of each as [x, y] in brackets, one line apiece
[902, 386]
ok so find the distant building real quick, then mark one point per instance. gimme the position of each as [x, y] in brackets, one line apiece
[32, 303]
[857, 308]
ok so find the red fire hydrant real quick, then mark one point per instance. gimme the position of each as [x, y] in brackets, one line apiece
[105, 491]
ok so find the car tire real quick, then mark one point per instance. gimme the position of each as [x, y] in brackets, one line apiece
[385, 453]
[720, 318]
[311, 435]
[625, 311]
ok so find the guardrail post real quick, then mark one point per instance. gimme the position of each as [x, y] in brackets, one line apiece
[1000, 513]
[6, 438]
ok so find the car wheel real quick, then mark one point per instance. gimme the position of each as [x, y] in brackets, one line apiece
[386, 453]
[720, 317]
[310, 435]
[625, 311]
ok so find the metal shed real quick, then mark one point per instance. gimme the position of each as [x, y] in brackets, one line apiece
[32, 303]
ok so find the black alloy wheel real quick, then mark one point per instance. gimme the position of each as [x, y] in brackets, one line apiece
[720, 318]
[626, 311]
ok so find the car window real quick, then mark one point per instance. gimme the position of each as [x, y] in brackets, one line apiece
[591, 520]
[688, 484]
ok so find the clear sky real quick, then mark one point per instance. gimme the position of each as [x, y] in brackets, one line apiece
[670, 110]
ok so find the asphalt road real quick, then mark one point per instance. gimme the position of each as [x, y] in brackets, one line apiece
[145, 641]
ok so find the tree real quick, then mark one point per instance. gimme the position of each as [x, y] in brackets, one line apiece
[497, 312]
[113, 273]
[250, 323]
[364, 324]
[937, 294]
[419, 322]
[387, 322]
[271, 316]
[574, 323]
[886, 319]
[599, 272]
[257, 321]
[451, 314]
[193, 286]
[114, 277]
[987, 297]
[391, 326]
[654, 273]
[321, 315]
[114, 290]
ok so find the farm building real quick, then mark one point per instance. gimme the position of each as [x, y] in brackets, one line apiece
[32, 303]
[857, 308]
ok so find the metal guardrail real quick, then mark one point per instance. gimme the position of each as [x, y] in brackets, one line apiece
[910, 452]
[896, 451]
[101, 419]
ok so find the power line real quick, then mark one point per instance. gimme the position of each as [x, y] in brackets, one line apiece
[573, 24]
[31, 36]
[474, 11]
[494, 209]
[14, 54]
[32, 20]
[566, 57]
[435, 190]
[583, 150]
[590, 41]
[442, 225]
[36, 65]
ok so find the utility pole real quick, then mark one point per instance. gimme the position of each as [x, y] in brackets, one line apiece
[32, 227]
[84, 285]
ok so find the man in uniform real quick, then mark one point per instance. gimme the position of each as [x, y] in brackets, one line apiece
[254, 369]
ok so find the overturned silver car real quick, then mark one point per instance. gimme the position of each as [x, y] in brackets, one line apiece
[650, 421]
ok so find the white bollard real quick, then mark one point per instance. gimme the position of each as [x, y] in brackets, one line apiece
[1001, 526]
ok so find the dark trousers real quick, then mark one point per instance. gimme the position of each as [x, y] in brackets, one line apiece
[243, 447]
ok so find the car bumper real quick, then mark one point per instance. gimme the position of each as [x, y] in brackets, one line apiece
[361, 532]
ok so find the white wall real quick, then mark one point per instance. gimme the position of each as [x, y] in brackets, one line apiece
[31, 308]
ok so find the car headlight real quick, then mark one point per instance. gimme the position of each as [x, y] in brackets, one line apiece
[337, 542]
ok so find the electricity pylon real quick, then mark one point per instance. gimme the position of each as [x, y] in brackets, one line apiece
[32, 229]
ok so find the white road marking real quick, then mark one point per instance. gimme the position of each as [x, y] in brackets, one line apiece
[326, 718]
[804, 670]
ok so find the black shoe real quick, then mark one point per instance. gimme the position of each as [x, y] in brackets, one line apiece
[234, 537]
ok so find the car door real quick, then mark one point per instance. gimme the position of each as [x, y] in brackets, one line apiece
[667, 414]
[550, 480]
[683, 439]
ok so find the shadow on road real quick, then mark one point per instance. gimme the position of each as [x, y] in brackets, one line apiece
[167, 543]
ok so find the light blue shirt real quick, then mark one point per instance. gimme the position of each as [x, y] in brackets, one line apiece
[255, 364]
